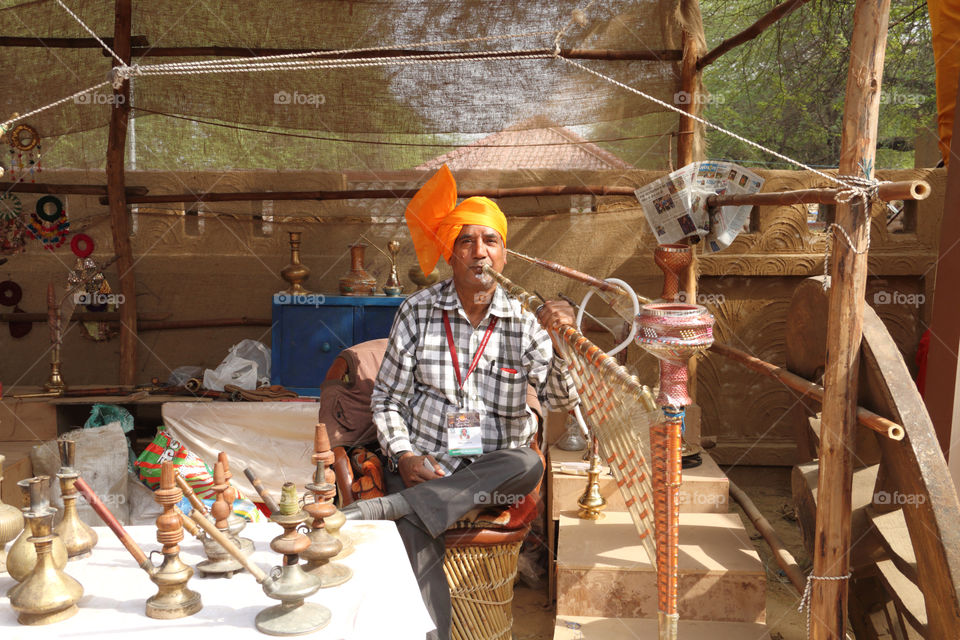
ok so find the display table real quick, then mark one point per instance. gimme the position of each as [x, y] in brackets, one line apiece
[382, 599]
[273, 439]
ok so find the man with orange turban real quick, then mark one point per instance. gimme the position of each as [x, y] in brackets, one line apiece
[450, 401]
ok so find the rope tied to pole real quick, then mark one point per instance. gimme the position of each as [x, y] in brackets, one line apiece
[856, 187]
[808, 593]
[118, 75]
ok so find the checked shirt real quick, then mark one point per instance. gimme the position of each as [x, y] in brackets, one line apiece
[417, 386]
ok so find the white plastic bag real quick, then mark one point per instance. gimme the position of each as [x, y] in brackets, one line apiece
[246, 366]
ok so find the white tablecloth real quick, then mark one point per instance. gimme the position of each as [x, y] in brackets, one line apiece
[381, 600]
[274, 439]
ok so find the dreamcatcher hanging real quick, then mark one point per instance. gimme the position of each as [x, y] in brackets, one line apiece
[13, 230]
[25, 153]
[49, 223]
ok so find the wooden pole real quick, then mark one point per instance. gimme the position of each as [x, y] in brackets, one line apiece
[66, 189]
[117, 199]
[831, 561]
[906, 190]
[65, 43]
[780, 11]
[865, 417]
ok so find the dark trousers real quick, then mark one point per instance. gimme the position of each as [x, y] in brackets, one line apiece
[495, 478]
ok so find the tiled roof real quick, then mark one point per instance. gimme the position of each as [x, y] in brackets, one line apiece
[530, 145]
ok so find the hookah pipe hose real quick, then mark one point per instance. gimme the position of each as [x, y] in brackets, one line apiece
[108, 519]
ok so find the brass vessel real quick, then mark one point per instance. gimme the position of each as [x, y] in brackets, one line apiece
[22, 556]
[235, 523]
[296, 272]
[289, 583]
[392, 286]
[333, 522]
[591, 503]
[47, 594]
[173, 599]
[357, 281]
[11, 524]
[77, 536]
[323, 546]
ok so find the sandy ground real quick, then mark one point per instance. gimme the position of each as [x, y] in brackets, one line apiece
[769, 488]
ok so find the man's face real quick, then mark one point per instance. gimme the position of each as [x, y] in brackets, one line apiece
[474, 247]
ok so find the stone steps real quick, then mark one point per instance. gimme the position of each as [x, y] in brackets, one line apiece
[602, 570]
[593, 628]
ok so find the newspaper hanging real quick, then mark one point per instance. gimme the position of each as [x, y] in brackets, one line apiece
[675, 205]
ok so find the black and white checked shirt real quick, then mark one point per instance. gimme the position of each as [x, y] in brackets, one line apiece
[417, 386]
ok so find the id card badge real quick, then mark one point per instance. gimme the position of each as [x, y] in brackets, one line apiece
[464, 435]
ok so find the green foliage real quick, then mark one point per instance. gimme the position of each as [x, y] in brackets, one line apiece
[785, 88]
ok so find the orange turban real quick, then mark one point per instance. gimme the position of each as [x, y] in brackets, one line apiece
[434, 219]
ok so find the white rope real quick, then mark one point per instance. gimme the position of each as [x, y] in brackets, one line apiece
[577, 16]
[308, 54]
[90, 31]
[6, 124]
[352, 63]
[808, 593]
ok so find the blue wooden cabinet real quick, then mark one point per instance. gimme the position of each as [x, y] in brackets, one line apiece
[309, 331]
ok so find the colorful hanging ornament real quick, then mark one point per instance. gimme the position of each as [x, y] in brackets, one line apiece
[25, 153]
[49, 226]
[10, 296]
[13, 228]
[82, 245]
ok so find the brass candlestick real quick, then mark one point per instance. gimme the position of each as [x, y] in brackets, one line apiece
[22, 556]
[77, 536]
[296, 272]
[219, 562]
[591, 503]
[323, 546]
[289, 583]
[54, 383]
[11, 524]
[173, 599]
[48, 594]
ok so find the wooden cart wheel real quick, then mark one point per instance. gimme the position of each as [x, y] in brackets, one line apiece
[906, 557]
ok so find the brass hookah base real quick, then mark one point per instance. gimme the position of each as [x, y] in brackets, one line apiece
[219, 562]
[290, 583]
[47, 595]
[78, 537]
[323, 546]
[173, 599]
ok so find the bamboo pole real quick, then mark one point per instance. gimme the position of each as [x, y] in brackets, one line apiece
[904, 190]
[780, 11]
[865, 417]
[65, 43]
[689, 83]
[783, 557]
[831, 561]
[116, 195]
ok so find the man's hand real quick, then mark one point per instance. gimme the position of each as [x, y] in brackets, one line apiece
[415, 469]
[556, 313]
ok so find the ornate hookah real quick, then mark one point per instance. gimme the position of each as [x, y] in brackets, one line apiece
[673, 332]
[290, 583]
[78, 537]
[173, 599]
[11, 524]
[323, 546]
[47, 594]
[235, 523]
[22, 556]
[219, 562]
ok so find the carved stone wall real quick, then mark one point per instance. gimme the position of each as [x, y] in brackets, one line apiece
[225, 262]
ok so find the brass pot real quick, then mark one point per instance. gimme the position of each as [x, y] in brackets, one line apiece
[11, 524]
[22, 556]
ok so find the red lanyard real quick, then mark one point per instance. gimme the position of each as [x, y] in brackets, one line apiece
[453, 349]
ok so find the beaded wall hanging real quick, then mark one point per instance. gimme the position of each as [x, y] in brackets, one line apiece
[25, 153]
[49, 224]
[13, 228]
